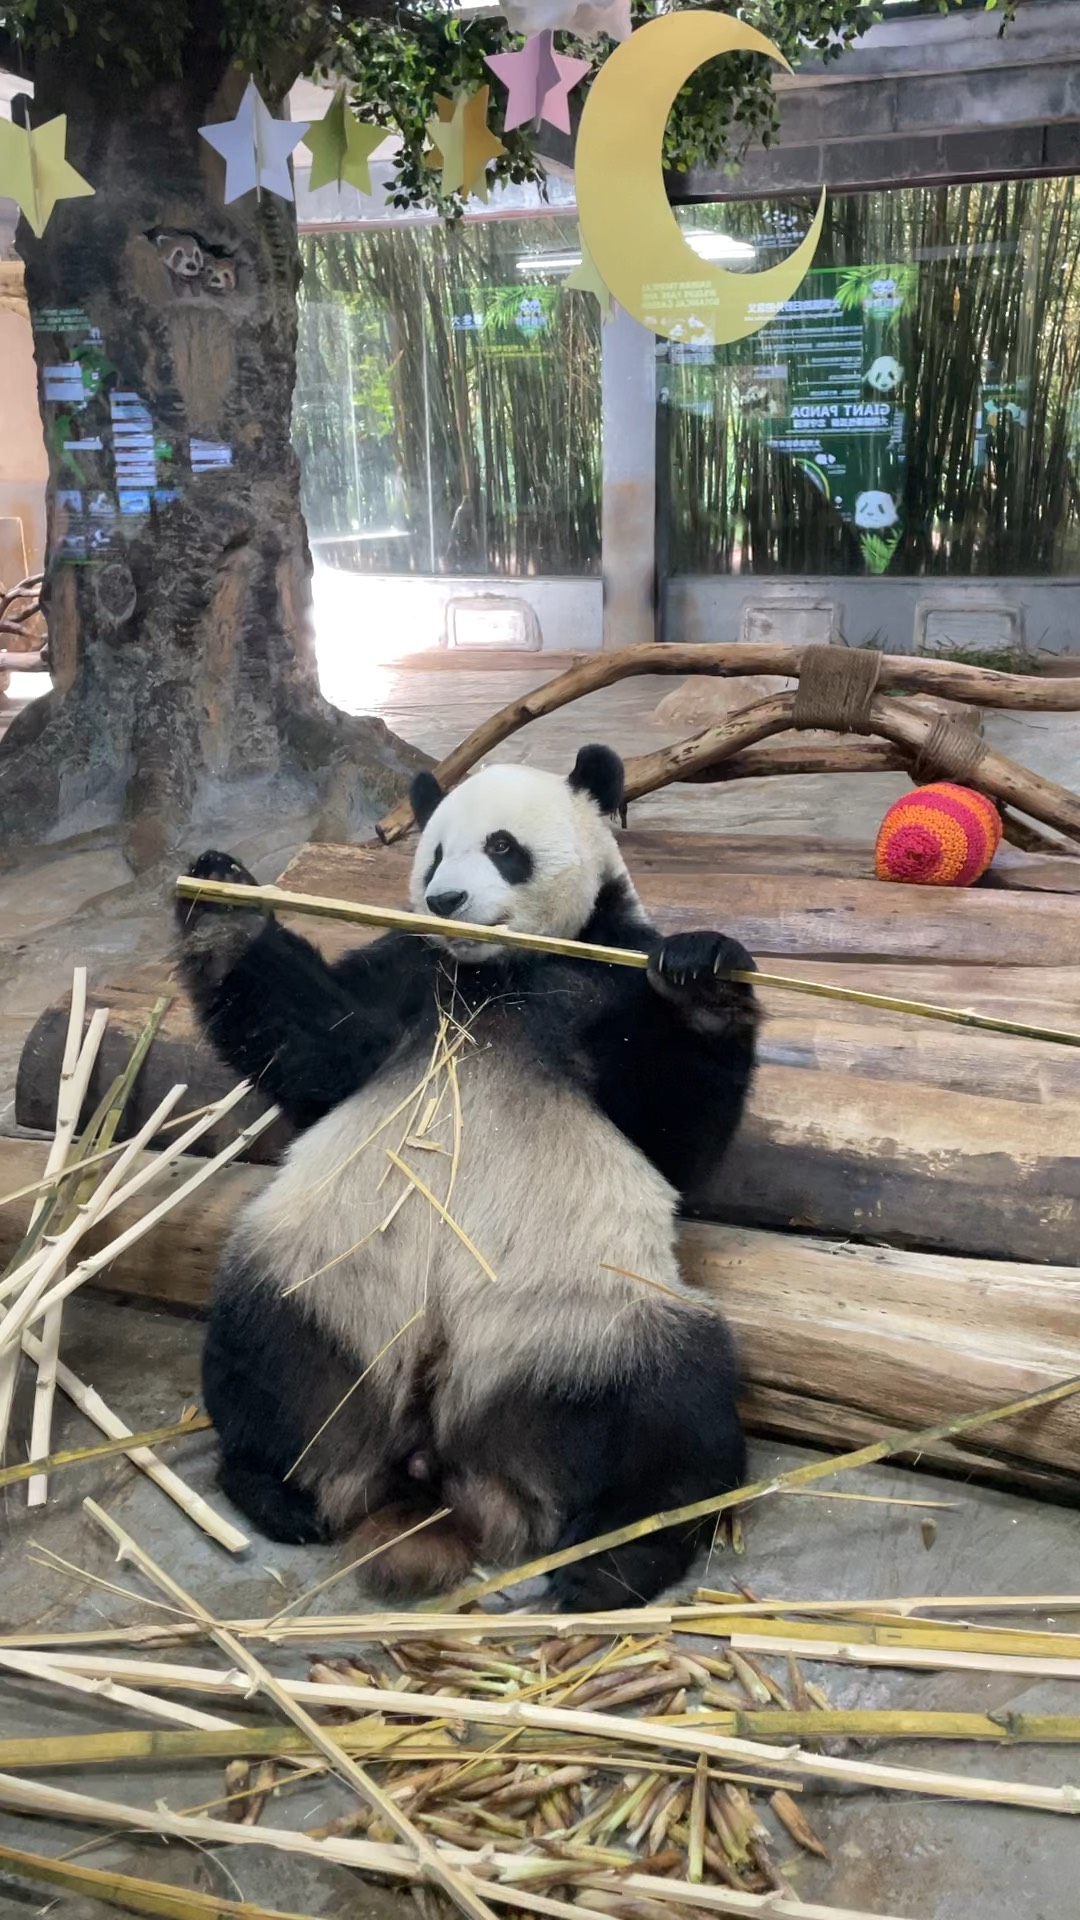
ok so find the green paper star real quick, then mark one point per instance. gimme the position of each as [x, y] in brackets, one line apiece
[341, 147]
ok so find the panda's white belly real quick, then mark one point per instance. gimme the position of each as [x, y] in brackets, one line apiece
[548, 1192]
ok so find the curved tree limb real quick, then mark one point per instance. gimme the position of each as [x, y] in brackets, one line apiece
[900, 673]
[907, 728]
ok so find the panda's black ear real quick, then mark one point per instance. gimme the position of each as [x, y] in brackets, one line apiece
[599, 772]
[425, 795]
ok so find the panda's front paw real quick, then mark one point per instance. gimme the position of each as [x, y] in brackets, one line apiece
[213, 935]
[689, 969]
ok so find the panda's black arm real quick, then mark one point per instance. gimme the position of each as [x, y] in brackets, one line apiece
[308, 1034]
[672, 1053]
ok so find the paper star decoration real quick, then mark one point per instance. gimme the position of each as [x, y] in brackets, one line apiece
[539, 80]
[255, 147]
[34, 172]
[586, 18]
[340, 146]
[463, 144]
[586, 279]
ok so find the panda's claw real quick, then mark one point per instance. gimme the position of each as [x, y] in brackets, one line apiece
[214, 934]
[212, 865]
[691, 967]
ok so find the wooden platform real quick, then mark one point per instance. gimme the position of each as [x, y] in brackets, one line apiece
[861, 1125]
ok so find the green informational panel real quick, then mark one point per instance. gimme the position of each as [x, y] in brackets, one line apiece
[825, 383]
[507, 321]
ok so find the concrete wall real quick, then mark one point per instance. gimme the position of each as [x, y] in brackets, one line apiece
[901, 615]
[920, 100]
[378, 616]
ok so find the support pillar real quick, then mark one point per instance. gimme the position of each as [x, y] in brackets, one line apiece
[628, 520]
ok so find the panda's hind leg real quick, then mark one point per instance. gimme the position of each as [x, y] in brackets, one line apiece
[528, 1471]
[271, 1381]
[673, 1438]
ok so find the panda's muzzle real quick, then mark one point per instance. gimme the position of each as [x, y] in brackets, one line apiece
[445, 905]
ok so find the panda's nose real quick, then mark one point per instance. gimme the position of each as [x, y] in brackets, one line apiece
[446, 905]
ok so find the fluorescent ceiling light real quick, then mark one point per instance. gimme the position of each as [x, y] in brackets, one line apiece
[706, 244]
[710, 245]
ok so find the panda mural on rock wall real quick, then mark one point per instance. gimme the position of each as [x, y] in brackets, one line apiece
[585, 1385]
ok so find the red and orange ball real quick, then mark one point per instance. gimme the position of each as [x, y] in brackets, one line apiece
[938, 836]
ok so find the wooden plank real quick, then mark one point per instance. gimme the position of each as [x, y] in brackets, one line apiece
[905, 1050]
[839, 1344]
[773, 913]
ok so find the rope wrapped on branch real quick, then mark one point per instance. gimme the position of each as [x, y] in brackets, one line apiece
[899, 673]
[840, 689]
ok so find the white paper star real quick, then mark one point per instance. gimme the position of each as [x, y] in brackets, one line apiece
[255, 147]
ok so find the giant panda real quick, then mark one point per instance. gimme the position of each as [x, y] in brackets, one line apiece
[550, 1375]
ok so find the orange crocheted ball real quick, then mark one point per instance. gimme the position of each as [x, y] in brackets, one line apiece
[939, 836]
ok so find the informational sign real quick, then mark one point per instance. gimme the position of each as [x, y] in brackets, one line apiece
[113, 465]
[507, 321]
[825, 382]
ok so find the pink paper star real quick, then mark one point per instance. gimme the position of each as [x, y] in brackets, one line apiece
[539, 82]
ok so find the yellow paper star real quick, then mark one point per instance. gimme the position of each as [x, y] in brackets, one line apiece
[34, 172]
[586, 279]
[463, 145]
[341, 147]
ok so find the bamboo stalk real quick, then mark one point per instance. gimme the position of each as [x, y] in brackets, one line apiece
[396, 1861]
[937, 1660]
[75, 1070]
[198, 1509]
[429, 926]
[918, 1633]
[30, 1280]
[77, 1456]
[45, 1393]
[742, 1496]
[131, 1893]
[87, 1268]
[36, 1667]
[48, 1180]
[713, 1615]
[428, 1858]
[680, 1737]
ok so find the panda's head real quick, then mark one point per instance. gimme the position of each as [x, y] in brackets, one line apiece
[515, 847]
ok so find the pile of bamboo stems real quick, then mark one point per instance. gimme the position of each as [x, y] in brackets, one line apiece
[631, 1763]
[87, 1178]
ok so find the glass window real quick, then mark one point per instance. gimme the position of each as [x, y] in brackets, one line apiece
[447, 410]
[916, 408]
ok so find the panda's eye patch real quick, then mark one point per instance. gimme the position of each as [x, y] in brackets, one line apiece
[430, 874]
[513, 861]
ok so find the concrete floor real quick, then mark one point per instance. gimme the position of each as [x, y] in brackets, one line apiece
[919, 1859]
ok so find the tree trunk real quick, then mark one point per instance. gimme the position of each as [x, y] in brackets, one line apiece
[178, 577]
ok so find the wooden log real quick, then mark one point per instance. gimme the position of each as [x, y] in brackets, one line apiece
[175, 1263]
[805, 756]
[908, 1338]
[840, 1344]
[956, 1173]
[839, 1131]
[900, 673]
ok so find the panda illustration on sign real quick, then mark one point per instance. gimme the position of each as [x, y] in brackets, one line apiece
[885, 374]
[525, 1352]
[875, 511]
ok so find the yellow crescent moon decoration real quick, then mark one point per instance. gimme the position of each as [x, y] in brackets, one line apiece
[627, 224]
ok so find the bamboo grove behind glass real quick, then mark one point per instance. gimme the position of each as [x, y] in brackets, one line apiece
[461, 452]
